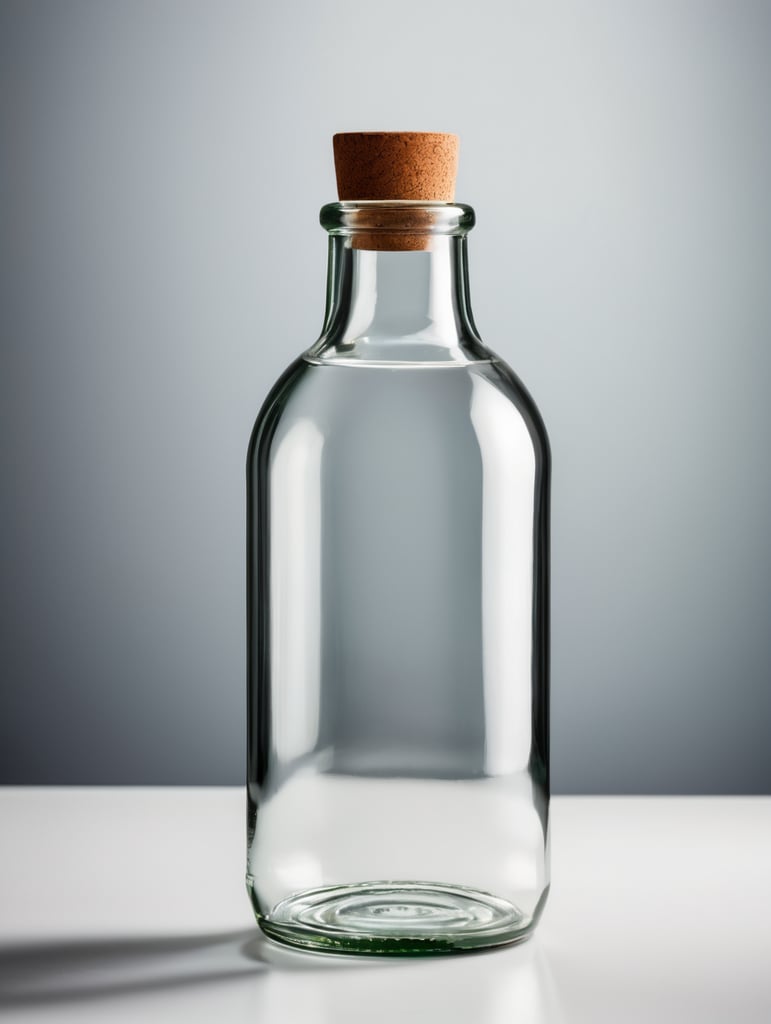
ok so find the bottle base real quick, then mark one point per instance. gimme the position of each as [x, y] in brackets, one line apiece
[394, 919]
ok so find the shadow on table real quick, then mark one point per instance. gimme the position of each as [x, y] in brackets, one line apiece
[77, 970]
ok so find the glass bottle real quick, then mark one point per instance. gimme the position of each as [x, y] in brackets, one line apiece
[398, 564]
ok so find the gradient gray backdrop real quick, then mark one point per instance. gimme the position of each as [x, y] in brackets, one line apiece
[162, 169]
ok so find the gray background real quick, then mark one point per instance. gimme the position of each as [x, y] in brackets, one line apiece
[162, 169]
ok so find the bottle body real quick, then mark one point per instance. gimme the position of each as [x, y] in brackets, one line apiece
[398, 648]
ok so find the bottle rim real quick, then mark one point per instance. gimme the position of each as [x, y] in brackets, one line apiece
[392, 216]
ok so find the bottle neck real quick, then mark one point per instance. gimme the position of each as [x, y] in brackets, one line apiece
[409, 303]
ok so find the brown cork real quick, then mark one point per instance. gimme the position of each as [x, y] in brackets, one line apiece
[396, 165]
[417, 166]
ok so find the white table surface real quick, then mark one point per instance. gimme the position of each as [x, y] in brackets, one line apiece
[129, 905]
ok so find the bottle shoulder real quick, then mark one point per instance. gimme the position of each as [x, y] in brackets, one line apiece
[282, 394]
[501, 376]
[342, 396]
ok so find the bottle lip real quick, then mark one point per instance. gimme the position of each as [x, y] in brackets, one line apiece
[392, 216]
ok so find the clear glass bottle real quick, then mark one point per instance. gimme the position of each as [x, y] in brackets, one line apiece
[398, 520]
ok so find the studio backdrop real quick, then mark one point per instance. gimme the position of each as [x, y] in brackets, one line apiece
[161, 170]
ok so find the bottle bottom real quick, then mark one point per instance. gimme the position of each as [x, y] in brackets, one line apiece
[394, 919]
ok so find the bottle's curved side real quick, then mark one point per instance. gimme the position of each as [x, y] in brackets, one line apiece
[258, 712]
[503, 377]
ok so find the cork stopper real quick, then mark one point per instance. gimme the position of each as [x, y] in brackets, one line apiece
[396, 166]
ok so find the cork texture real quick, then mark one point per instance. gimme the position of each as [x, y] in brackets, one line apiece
[396, 165]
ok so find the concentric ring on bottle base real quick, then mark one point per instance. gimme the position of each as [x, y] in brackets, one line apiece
[395, 917]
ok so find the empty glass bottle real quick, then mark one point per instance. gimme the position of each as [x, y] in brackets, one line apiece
[398, 515]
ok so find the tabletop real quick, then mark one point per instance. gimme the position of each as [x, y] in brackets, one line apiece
[124, 904]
